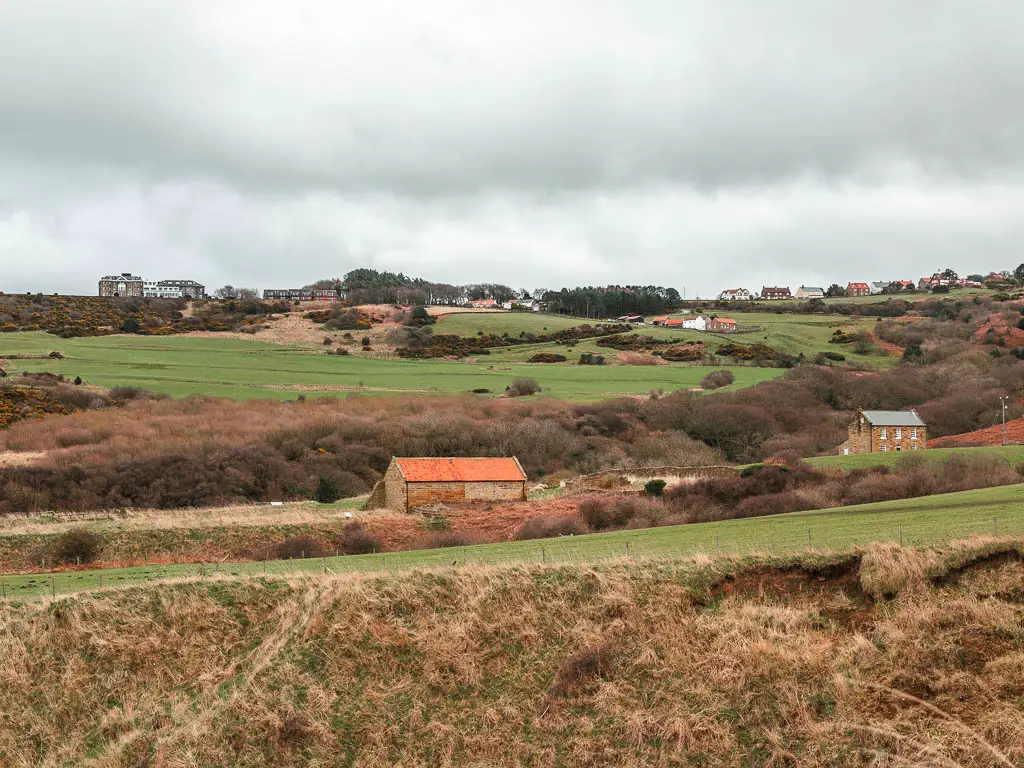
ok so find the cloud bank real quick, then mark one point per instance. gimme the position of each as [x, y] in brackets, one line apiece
[682, 143]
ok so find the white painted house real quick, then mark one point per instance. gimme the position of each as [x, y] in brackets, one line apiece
[735, 294]
[696, 322]
[809, 292]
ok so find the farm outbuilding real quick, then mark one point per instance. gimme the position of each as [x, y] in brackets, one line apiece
[411, 483]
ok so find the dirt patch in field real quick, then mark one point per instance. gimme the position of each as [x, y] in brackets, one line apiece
[443, 311]
[1000, 326]
[834, 587]
[484, 522]
[290, 329]
[892, 350]
[989, 562]
[20, 458]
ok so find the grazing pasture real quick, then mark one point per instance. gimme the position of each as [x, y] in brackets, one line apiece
[242, 369]
[1012, 454]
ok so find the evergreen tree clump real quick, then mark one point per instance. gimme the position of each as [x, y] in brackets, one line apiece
[327, 491]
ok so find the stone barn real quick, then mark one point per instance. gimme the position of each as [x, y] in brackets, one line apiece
[412, 483]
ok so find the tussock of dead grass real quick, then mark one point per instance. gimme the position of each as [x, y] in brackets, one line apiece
[627, 663]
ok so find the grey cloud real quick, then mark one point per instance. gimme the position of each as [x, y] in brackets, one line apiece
[450, 98]
[677, 142]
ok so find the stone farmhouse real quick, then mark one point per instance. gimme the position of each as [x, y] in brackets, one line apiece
[412, 483]
[885, 431]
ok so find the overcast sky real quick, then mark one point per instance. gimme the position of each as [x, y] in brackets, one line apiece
[700, 144]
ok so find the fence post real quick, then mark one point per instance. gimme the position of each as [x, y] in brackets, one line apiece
[383, 563]
[901, 534]
[101, 581]
[543, 555]
[995, 526]
[53, 586]
[5, 590]
[718, 545]
[809, 547]
[627, 549]
[323, 562]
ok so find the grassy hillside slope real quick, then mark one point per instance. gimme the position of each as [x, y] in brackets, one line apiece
[1012, 454]
[242, 369]
[662, 663]
[923, 521]
[790, 333]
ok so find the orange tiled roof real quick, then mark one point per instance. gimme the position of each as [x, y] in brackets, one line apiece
[674, 321]
[726, 320]
[460, 470]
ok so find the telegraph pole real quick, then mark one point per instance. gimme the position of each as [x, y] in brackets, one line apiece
[1002, 401]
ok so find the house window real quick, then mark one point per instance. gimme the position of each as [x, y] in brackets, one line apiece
[913, 433]
[899, 447]
[884, 435]
[913, 446]
[899, 433]
[885, 448]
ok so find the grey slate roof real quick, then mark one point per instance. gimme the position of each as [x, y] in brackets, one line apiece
[894, 418]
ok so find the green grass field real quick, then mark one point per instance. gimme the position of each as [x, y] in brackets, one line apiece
[793, 334]
[513, 323]
[1012, 454]
[924, 521]
[790, 333]
[242, 369]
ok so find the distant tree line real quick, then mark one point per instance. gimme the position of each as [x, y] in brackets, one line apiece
[613, 301]
[370, 286]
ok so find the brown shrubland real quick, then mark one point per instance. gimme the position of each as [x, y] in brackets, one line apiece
[639, 663]
[135, 451]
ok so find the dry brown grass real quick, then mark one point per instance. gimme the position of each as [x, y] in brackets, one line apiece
[627, 664]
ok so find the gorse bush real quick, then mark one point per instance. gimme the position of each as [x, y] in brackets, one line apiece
[355, 539]
[551, 526]
[327, 490]
[523, 387]
[654, 487]
[79, 545]
[717, 379]
[299, 547]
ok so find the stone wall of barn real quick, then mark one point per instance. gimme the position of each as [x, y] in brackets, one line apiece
[421, 494]
[512, 490]
[394, 488]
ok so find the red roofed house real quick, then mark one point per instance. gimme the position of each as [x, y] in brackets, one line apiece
[485, 304]
[412, 483]
[659, 320]
[772, 293]
[722, 325]
[858, 289]
[675, 322]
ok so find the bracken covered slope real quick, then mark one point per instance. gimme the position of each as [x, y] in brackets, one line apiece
[893, 657]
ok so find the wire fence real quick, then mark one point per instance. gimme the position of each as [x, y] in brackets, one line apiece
[773, 536]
